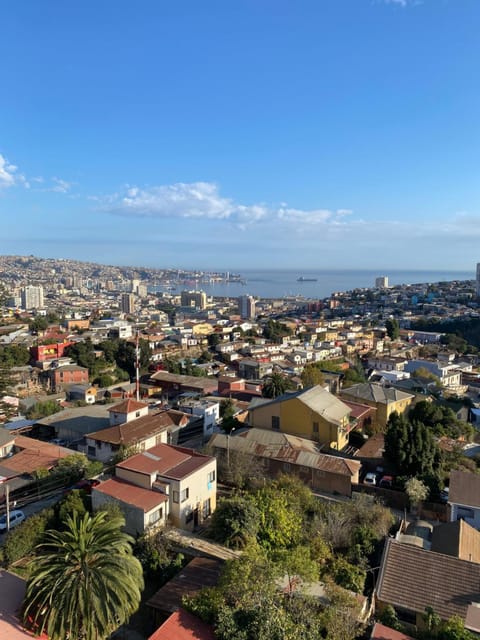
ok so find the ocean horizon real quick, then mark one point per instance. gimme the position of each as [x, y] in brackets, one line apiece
[282, 283]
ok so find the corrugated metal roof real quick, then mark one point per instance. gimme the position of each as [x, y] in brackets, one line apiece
[292, 449]
[144, 499]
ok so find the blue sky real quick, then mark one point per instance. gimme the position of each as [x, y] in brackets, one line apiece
[242, 133]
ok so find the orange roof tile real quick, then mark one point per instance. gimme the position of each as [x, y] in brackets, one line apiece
[182, 625]
[127, 406]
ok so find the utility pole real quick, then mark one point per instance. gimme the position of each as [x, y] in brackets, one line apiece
[137, 368]
[7, 496]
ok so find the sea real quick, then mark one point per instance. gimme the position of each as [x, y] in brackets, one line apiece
[318, 284]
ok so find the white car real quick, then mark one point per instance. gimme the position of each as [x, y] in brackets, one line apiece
[16, 517]
[370, 478]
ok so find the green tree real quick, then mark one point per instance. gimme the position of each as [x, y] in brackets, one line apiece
[393, 328]
[43, 409]
[235, 521]
[346, 575]
[21, 541]
[276, 331]
[39, 323]
[279, 523]
[85, 581]
[416, 491]
[275, 385]
[311, 376]
[14, 355]
[411, 447]
[72, 503]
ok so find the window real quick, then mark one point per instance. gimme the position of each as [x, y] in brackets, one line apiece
[92, 451]
[211, 476]
[175, 496]
[315, 427]
[155, 516]
[286, 466]
[207, 509]
[184, 495]
[188, 516]
[137, 414]
[276, 423]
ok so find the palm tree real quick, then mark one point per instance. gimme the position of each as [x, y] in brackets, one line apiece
[85, 581]
[275, 385]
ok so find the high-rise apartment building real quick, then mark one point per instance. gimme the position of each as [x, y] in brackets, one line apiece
[197, 299]
[32, 297]
[381, 282]
[246, 307]
[127, 303]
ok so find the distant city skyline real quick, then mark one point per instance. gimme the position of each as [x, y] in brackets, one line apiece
[315, 135]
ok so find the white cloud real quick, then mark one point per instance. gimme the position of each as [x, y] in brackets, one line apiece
[402, 3]
[203, 200]
[9, 176]
[60, 186]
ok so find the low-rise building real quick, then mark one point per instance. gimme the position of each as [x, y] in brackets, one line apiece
[181, 478]
[312, 413]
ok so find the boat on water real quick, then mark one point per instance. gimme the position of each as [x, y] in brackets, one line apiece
[302, 279]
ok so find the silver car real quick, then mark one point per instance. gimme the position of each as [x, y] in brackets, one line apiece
[16, 517]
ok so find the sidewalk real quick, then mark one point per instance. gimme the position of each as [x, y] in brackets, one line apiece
[194, 542]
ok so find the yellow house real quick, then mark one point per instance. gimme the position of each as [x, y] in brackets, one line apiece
[313, 413]
[386, 400]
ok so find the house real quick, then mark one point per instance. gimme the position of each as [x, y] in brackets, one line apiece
[74, 423]
[7, 440]
[385, 400]
[27, 456]
[281, 453]
[181, 479]
[172, 384]
[448, 374]
[312, 413]
[381, 632]
[83, 392]
[412, 579]
[457, 539]
[69, 374]
[143, 433]
[141, 507]
[464, 497]
[196, 575]
[252, 369]
[182, 625]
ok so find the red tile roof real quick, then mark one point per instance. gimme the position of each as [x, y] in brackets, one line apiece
[131, 494]
[413, 578]
[127, 406]
[182, 625]
[129, 433]
[381, 632]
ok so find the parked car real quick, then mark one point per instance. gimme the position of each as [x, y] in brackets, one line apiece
[386, 482]
[444, 493]
[84, 485]
[370, 478]
[16, 517]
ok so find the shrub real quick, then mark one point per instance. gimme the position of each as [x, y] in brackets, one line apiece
[22, 540]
